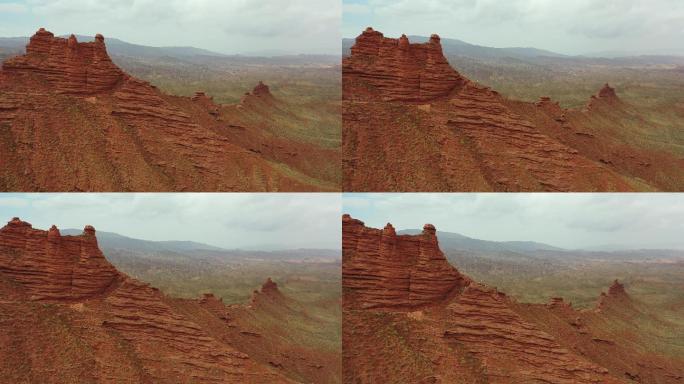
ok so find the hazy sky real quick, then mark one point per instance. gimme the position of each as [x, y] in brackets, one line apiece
[561, 219]
[231, 220]
[228, 26]
[571, 27]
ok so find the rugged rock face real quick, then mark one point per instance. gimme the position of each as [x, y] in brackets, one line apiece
[459, 330]
[67, 110]
[398, 69]
[261, 90]
[383, 270]
[512, 349]
[107, 312]
[605, 96]
[412, 123]
[54, 267]
[616, 289]
[275, 331]
[69, 66]
[607, 92]
[260, 96]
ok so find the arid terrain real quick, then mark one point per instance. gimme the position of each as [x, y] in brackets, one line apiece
[69, 315]
[508, 120]
[410, 316]
[172, 120]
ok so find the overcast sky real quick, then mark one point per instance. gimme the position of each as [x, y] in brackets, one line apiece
[570, 27]
[227, 26]
[264, 221]
[562, 219]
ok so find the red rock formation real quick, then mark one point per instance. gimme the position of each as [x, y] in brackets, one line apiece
[607, 92]
[207, 102]
[54, 267]
[69, 66]
[67, 110]
[462, 137]
[616, 289]
[512, 349]
[383, 270]
[399, 70]
[260, 95]
[455, 331]
[261, 90]
[605, 96]
[268, 294]
[162, 345]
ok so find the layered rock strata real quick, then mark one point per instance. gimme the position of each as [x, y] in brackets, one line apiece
[109, 314]
[400, 70]
[458, 330]
[401, 272]
[69, 66]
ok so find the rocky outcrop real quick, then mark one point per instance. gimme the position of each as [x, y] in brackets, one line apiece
[410, 117]
[617, 289]
[162, 344]
[616, 294]
[261, 90]
[69, 66]
[53, 267]
[268, 294]
[403, 301]
[381, 269]
[260, 95]
[605, 96]
[67, 110]
[510, 348]
[397, 69]
[172, 346]
[207, 102]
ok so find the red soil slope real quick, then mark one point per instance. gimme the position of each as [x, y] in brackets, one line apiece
[461, 331]
[413, 123]
[71, 120]
[67, 315]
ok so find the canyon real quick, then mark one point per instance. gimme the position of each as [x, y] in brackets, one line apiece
[411, 122]
[68, 315]
[66, 109]
[455, 329]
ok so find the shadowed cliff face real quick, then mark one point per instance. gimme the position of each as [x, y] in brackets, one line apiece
[413, 123]
[80, 320]
[409, 316]
[67, 110]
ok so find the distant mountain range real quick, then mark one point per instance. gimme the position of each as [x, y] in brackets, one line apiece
[451, 240]
[115, 241]
[110, 241]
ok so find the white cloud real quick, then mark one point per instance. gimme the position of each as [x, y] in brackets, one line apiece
[13, 8]
[355, 8]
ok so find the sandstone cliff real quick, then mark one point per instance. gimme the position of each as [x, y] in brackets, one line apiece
[66, 109]
[394, 330]
[114, 328]
[413, 123]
